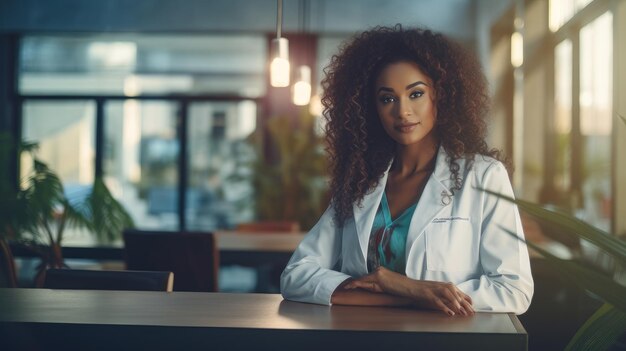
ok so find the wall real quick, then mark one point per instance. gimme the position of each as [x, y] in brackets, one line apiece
[487, 13]
[453, 17]
[456, 18]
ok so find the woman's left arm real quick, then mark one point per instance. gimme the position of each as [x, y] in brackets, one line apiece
[506, 284]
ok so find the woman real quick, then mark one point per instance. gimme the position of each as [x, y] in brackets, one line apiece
[409, 223]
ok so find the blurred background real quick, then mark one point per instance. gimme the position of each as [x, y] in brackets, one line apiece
[170, 102]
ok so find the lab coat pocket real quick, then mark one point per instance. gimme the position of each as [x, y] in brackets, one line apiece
[451, 246]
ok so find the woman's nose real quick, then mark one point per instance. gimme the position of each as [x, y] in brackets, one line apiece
[404, 110]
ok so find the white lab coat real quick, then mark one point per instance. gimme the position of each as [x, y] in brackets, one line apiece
[459, 239]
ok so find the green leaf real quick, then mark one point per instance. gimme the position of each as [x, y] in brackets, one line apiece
[107, 215]
[572, 226]
[74, 217]
[600, 331]
[591, 280]
[44, 190]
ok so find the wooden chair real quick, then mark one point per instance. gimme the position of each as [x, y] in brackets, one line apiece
[269, 227]
[8, 277]
[193, 257]
[108, 280]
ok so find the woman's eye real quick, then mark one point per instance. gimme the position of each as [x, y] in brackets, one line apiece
[387, 99]
[416, 94]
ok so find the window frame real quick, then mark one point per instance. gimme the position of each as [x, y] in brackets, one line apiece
[182, 118]
[571, 30]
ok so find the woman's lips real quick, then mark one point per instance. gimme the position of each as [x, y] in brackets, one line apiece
[405, 128]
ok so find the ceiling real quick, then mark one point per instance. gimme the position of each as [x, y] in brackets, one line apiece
[453, 17]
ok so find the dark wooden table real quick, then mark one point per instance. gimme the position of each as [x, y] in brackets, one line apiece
[112, 320]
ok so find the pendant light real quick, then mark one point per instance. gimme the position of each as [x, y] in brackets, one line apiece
[279, 68]
[301, 92]
[302, 87]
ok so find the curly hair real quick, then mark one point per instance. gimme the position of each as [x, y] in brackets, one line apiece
[359, 149]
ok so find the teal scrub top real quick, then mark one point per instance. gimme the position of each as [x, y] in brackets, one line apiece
[387, 243]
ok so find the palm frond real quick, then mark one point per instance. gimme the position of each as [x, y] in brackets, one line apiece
[107, 215]
[572, 226]
[588, 279]
[44, 191]
[600, 331]
[74, 217]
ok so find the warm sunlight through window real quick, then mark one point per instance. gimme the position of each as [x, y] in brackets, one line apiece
[596, 114]
[64, 131]
[596, 72]
[563, 113]
[562, 10]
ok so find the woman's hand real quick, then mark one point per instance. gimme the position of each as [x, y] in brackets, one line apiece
[425, 294]
[442, 296]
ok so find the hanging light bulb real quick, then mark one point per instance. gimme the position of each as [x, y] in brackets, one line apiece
[517, 43]
[315, 105]
[517, 49]
[302, 88]
[279, 67]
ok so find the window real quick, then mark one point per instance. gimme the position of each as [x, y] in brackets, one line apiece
[64, 131]
[143, 64]
[220, 154]
[562, 11]
[582, 125]
[134, 92]
[563, 115]
[596, 115]
[140, 160]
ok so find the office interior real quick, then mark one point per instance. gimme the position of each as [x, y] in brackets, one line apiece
[170, 104]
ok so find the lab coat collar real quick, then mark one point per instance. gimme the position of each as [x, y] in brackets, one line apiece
[435, 197]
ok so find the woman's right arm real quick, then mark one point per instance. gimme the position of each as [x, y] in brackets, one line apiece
[312, 272]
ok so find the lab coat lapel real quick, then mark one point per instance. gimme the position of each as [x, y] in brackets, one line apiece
[364, 215]
[436, 197]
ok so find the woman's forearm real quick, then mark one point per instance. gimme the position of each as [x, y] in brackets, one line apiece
[360, 297]
[399, 289]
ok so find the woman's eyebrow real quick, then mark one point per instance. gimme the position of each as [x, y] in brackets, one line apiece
[419, 82]
[415, 84]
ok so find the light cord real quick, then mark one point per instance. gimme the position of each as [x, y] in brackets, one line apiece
[279, 19]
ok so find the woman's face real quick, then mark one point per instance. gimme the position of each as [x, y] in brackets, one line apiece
[405, 101]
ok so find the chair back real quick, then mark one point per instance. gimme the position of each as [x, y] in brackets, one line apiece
[108, 280]
[193, 257]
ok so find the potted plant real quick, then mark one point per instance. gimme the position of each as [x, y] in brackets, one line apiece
[292, 187]
[36, 212]
[608, 323]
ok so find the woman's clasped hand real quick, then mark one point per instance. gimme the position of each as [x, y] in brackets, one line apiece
[421, 293]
